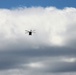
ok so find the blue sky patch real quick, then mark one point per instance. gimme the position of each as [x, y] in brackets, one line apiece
[44, 3]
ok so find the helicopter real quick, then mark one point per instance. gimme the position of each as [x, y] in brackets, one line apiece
[30, 31]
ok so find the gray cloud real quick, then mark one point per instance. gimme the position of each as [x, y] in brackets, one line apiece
[13, 58]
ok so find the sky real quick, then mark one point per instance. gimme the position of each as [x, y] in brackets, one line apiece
[51, 50]
[44, 3]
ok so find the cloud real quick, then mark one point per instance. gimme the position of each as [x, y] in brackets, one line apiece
[51, 50]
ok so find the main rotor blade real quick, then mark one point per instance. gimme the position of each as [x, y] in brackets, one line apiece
[33, 31]
[26, 30]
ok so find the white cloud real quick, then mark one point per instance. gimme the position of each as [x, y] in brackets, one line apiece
[50, 24]
[70, 60]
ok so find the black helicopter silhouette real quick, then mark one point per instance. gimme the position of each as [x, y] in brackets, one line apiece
[30, 31]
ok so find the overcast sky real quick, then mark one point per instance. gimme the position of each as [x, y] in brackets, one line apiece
[51, 50]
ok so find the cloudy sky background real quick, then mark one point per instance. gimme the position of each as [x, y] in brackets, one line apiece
[49, 51]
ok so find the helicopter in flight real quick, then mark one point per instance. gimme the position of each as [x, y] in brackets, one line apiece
[30, 32]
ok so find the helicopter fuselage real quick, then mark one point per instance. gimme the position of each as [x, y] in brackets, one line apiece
[30, 33]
